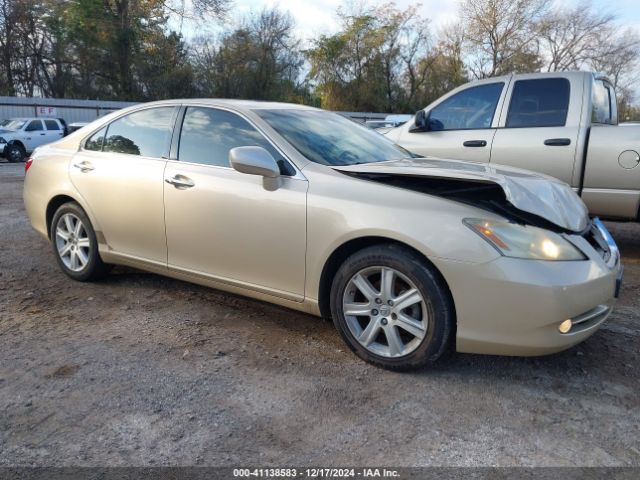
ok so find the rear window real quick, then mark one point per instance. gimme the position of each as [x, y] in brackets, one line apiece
[539, 103]
[52, 125]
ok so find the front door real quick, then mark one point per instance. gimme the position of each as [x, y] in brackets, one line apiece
[119, 173]
[227, 225]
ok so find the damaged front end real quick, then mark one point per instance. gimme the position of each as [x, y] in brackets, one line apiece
[518, 195]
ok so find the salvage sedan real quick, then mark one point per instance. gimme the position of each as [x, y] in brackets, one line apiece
[306, 209]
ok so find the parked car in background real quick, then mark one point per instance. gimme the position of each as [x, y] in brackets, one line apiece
[376, 124]
[21, 136]
[306, 209]
[561, 124]
[77, 126]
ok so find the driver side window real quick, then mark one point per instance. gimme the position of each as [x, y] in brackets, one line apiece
[471, 109]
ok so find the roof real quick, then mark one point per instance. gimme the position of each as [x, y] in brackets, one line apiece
[232, 103]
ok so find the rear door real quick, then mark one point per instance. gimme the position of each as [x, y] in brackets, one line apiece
[539, 127]
[119, 173]
[53, 130]
[462, 125]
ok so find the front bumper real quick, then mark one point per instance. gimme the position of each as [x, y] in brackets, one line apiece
[513, 307]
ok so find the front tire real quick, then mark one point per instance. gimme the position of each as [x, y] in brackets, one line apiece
[15, 153]
[391, 308]
[74, 244]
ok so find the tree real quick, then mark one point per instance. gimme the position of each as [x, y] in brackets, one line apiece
[500, 35]
[259, 59]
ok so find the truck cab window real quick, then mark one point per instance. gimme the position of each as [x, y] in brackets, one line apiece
[539, 103]
[469, 109]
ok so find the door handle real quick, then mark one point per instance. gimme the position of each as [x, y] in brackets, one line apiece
[180, 182]
[84, 167]
[557, 142]
[43, 134]
[475, 143]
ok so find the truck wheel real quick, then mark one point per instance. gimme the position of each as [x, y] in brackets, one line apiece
[15, 153]
[391, 308]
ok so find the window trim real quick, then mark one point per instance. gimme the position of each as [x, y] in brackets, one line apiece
[566, 115]
[175, 141]
[493, 115]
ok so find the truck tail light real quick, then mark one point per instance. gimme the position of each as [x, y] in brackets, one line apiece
[27, 164]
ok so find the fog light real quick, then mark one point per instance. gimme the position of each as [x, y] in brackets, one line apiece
[565, 326]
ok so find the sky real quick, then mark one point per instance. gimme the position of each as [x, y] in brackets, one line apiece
[315, 17]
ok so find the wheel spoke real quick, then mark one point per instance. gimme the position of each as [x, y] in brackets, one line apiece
[78, 228]
[65, 249]
[84, 243]
[394, 341]
[73, 260]
[411, 325]
[365, 287]
[68, 223]
[62, 234]
[387, 281]
[406, 299]
[369, 334]
[357, 309]
[82, 257]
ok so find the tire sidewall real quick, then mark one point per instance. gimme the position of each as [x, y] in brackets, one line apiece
[435, 295]
[94, 262]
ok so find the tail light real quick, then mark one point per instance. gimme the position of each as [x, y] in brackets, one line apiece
[27, 164]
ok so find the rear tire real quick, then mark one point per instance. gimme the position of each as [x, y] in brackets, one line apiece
[392, 308]
[75, 245]
[15, 153]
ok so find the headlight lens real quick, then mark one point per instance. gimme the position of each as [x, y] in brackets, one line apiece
[519, 241]
[2, 140]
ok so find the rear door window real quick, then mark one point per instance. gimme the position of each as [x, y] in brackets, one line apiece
[146, 133]
[52, 125]
[539, 103]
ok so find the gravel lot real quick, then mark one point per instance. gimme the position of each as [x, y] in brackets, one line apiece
[144, 370]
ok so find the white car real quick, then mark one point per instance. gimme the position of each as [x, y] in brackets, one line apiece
[21, 136]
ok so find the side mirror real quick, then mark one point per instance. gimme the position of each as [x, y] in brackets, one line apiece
[254, 161]
[421, 122]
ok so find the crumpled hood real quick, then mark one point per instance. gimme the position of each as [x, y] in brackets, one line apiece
[530, 192]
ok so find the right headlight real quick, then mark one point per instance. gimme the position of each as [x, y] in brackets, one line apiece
[520, 241]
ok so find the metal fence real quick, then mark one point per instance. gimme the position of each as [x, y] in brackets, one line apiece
[88, 110]
[70, 110]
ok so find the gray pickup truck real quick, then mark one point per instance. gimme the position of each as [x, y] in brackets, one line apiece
[561, 124]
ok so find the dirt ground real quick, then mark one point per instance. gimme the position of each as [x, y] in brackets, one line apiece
[143, 370]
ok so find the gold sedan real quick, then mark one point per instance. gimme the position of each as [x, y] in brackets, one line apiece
[304, 208]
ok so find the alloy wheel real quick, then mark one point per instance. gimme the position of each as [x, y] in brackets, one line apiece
[385, 311]
[72, 242]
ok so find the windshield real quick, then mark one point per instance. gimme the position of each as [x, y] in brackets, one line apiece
[330, 139]
[14, 124]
